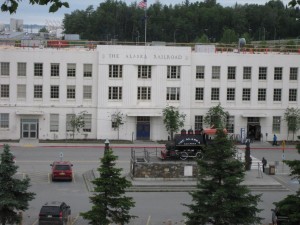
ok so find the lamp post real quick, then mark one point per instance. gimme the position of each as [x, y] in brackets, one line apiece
[106, 143]
[175, 35]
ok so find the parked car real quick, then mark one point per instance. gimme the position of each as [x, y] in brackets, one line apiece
[62, 170]
[278, 218]
[54, 213]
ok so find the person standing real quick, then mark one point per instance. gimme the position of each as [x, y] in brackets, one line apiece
[264, 163]
[274, 139]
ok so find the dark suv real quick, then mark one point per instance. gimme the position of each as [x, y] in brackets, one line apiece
[54, 213]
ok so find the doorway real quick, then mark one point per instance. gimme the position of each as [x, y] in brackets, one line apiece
[143, 128]
[29, 128]
[254, 129]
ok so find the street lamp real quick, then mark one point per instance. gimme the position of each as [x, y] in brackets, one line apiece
[106, 143]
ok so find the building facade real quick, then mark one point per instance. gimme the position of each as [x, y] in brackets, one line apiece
[42, 88]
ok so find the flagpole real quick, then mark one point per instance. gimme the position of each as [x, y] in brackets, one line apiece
[145, 25]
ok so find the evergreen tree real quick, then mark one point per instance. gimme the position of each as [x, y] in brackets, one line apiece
[13, 192]
[110, 205]
[220, 199]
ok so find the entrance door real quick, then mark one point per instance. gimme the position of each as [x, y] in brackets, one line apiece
[143, 128]
[254, 128]
[29, 128]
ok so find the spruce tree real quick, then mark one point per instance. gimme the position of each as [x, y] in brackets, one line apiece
[110, 205]
[14, 196]
[220, 199]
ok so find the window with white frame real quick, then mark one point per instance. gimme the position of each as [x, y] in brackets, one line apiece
[87, 118]
[277, 95]
[200, 72]
[215, 94]
[262, 73]
[246, 94]
[144, 93]
[199, 94]
[69, 118]
[230, 94]
[293, 73]
[54, 122]
[215, 72]
[4, 120]
[4, 68]
[21, 69]
[230, 124]
[115, 71]
[262, 94]
[54, 91]
[247, 72]
[38, 91]
[115, 93]
[21, 91]
[71, 69]
[38, 69]
[71, 92]
[87, 92]
[173, 72]
[144, 72]
[231, 72]
[4, 91]
[54, 69]
[198, 122]
[278, 73]
[173, 93]
[293, 95]
[87, 70]
[276, 124]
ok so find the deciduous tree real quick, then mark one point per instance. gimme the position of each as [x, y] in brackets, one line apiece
[292, 117]
[173, 120]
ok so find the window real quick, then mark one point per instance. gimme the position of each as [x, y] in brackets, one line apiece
[215, 94]
[278, 73]
[4, 91]
[216, 71]
[4, 68]
[199, 94]
[231, 72]
[230, 124]
[115, 71]
[144, 93]
[230, 94]
[198, 122]
[277, 95]
[4, 120]
[246, 94]
[54, 70]
[293, 73]
[21, 69]
[54, 89]
[71, 92]
[173, 93]
[38, 91]
[38, 69]
[21, 91]
[200, 72]
[87, 70]
[144, 72]
[247, 73]
[71, 70]
[173, 72]
[115, 93]
[87, 118]
[292, 95]
[54, 122]
[276, 124]
[87, 92]
[262, 73]
[69, 118]
[262, 94]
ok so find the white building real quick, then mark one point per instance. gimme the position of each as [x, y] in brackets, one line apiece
[16, 25]
[41, 88]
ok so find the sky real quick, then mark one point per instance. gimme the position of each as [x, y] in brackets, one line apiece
[39, 14]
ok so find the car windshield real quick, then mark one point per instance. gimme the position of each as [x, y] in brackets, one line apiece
[53, 210]
[62, 167]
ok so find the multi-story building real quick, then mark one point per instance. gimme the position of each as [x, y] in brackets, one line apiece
[41, 88]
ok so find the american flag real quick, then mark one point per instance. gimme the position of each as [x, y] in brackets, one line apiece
[142, 4]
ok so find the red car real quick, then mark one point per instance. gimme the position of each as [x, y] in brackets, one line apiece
[62, 170]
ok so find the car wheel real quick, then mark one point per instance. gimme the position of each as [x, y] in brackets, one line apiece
[198, 155]
[183, 155]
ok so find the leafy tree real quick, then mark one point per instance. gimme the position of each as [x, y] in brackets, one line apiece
[117, 119]
[293, 3]
[292, 117]
[14, 196]
[44, 29]
[77, 122]
[173, 120]
[220, 199]
[229, 37]
[216, 117]
[109, 203]
[11, 6]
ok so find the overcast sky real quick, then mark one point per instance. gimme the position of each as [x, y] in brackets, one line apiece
[39, 14]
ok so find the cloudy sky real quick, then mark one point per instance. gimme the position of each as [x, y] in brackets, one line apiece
[39, 14]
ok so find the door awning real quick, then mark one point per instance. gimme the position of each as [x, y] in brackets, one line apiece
[150, 114]
[24, 112]
[254, 115]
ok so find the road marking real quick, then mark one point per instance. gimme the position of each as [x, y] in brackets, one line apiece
[149, 218]
[76, 218]
[35, 222]
[73, 176]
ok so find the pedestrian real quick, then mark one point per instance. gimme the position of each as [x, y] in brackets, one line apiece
[274, 139]
[264, 163]
[274, 217]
